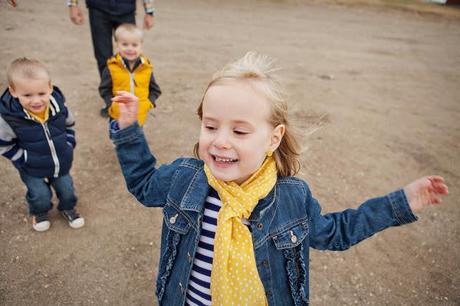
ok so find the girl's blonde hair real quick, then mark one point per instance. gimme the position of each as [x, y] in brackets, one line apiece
[28, 68]
[259, 71]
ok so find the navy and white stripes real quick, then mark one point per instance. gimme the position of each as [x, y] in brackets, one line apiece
[199, 287]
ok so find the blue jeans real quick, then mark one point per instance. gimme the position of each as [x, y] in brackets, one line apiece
[39, 193]
[102, 25]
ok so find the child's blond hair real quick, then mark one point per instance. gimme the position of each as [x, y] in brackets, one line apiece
[259, 71]
[130, 29]
[24, 67]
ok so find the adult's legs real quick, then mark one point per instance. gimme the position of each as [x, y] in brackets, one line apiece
[101, 34]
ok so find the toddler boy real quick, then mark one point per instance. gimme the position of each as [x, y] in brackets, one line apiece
[36, 134]
[129, 70]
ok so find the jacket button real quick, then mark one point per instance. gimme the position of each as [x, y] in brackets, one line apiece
[189, 257]
[265, 263]
[172, 220]
[293, 237]
[268, 293]
[181, 288]
[260, 226]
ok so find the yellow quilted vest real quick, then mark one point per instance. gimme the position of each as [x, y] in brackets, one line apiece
[136, 82]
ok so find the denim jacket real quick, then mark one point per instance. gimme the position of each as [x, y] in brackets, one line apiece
[284, 225]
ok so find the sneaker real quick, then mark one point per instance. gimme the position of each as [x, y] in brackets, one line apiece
[40, 222]
[74, 219]
[104, 112]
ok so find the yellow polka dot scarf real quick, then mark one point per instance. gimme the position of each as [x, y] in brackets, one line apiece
[234, 277]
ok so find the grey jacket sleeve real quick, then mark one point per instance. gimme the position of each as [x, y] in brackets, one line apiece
[9, 147]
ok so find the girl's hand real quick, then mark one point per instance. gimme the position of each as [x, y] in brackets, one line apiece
[425, 191]
[127, 104]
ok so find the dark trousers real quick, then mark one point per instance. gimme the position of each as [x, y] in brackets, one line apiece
[102, 26]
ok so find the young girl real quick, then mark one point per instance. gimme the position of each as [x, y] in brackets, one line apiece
[237, 225]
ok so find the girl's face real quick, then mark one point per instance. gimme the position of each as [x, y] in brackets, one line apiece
[235, 133]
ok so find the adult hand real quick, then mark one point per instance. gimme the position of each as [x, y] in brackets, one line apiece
[13, 3]
[127, 104]
[148, 21]
[425, 191]
[76, 15]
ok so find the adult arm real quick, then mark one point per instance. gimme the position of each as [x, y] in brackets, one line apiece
[75, 13]
[149, 15]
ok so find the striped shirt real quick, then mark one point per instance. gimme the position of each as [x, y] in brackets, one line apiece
[199, 286]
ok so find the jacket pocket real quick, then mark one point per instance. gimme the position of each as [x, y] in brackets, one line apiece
[290, 242]
[176, 226]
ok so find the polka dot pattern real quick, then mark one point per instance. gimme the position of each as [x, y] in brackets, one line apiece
[234, 277]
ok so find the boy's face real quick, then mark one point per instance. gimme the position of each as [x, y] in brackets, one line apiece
[235, 133]
[129, 46]
[33, 94]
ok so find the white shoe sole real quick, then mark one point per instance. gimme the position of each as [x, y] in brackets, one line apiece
[77, 223]
[41, 226]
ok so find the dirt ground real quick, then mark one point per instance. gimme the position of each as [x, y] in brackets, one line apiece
[374, 91]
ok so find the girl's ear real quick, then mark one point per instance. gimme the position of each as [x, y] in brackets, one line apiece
[277, 136]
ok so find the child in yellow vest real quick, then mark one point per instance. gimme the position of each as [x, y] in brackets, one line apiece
[129, 70]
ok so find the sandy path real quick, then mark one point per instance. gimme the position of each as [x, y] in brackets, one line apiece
[383, 85]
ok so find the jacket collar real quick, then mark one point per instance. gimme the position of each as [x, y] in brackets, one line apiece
[10, 105]
[197, 191]
[141, 60]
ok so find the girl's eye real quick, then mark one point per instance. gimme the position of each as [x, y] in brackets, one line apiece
[210, 127]
[239, 132]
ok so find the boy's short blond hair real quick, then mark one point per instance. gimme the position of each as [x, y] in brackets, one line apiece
[128, 29]
[28, 68]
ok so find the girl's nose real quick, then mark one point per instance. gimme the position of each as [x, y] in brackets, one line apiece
[222, 141]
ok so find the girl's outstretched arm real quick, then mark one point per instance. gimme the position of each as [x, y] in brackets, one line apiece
[149, 184]
[425, 191]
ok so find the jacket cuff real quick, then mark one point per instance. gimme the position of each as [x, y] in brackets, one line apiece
[401, 209]
[127, 134]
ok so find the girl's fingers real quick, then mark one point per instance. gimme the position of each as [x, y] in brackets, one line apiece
[440, 188]
[436, 179]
